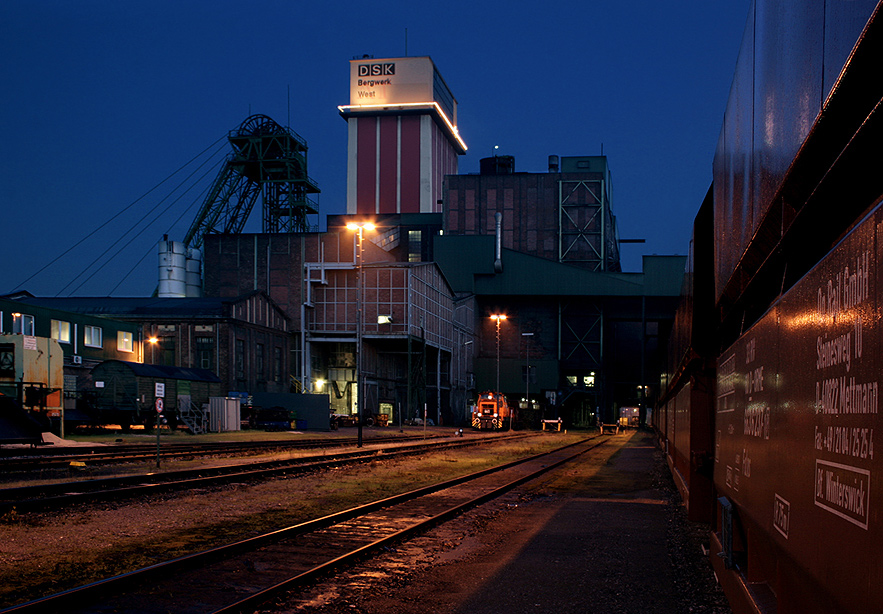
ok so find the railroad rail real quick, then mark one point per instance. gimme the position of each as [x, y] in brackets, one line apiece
[243, 575]
[58, 495]
[21, 460]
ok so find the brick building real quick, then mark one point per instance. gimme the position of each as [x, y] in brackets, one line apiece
[245, 339]
[408, 326]
[580, 338]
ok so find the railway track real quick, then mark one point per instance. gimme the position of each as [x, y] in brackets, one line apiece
[55, 496]
[23, 460]
[241, 576]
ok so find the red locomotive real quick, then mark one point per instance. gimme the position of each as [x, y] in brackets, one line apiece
[491, 412]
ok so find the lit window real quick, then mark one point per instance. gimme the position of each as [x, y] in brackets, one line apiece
[61, 331]
[125, 341]
[22, 324]
[415, 245]
[92, 336]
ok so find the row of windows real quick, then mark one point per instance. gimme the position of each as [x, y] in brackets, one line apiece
[93, 336]
[259, 361]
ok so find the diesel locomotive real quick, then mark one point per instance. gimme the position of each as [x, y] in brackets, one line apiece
[491, 412]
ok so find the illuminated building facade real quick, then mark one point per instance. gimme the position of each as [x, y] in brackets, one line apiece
[402, 136]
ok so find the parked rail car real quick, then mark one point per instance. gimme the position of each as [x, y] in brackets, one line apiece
[792, 406]
[684, 417]
[798, 409]
[491, 412]
[781, 363]
[125, 393]
[31, 373]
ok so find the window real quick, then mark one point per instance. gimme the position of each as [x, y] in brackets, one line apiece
[61, 331]
[277, 364]
[167, 348]
[125, 341]
[92, 336]
[259, 361]
[205, 352]
[240, 359]
[22, 324]
[532, 374]
[415, 245]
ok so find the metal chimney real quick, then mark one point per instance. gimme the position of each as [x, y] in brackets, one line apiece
[498, 263]
[553, 164]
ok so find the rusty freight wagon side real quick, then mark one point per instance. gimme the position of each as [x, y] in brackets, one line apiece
[683, 420]
[125, 393]
[798, 408]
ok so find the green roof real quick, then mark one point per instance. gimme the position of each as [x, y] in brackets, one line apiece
[468, 264]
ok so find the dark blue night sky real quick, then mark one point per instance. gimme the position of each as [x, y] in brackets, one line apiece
[102, 101]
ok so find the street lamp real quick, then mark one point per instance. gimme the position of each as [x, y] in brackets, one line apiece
[498, 318]
[153, 341]
[461, 381]
[359, 228]
[527, 337]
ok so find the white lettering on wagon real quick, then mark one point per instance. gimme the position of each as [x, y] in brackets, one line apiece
[843, 491]
[781, 515]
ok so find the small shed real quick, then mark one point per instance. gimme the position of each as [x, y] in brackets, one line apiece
[126, 392]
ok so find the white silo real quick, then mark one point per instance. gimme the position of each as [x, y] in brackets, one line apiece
[194, 272]
[172, 269]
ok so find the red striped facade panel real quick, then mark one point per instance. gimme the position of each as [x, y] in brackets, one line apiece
[387, 196]
[390, 175]
[366, 166]
[410, 164]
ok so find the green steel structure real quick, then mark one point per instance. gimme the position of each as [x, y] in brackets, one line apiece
[270, 161]
[593, 340]
[581, 338]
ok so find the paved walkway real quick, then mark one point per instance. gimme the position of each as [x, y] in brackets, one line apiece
[603, 549]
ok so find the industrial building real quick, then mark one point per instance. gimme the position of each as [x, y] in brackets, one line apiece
[433, 287]
[580, 339]
[36, 339]
[402, 136]
[542, 249]
[409, 320]
[244, 340]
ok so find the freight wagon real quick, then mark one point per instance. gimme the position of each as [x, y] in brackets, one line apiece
[31, 373]
[126, 393]
[772, 389]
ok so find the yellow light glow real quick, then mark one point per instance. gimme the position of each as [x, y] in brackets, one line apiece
[153, 340]
[363, 226]
[405, 105]
[498, 317]
[320, 383]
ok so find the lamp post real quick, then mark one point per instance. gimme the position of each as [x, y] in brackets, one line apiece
[497, 317]
[153, 341]
[461, 381]
[359, 228]
[527, 337]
